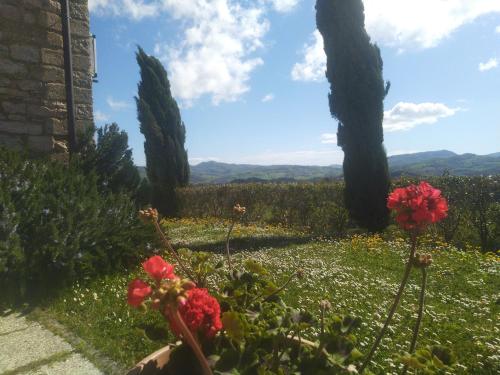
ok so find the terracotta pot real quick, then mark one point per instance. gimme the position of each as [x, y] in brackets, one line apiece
[153, 364]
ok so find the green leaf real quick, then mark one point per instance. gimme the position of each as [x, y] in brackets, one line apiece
[234, 325]
[255, 267]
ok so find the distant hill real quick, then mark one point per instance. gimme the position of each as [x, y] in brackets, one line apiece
[430, 163]
[214, 172]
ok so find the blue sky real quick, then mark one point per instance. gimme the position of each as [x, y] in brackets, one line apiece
[248, 75]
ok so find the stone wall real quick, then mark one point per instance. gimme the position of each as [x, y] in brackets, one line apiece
[32, 87]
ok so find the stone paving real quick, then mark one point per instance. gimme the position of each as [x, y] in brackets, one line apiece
[26, 348]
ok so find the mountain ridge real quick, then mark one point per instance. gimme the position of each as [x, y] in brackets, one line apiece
[428, 163]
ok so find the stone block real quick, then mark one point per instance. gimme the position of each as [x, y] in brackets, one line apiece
[81, 63]
[10, 67]
[20, 127]
[11, 93]
[29, 18]
[56, 126]
[57, 107]
[9, 13]
[82, 79]
[52, 57]
[50, 5]
[49, 20]
[11, 141]
[36, 110]
[83, 96]
[41, 143]
[28, 85]
[55, 91]
[11, 107]
[25, 53]
[79, 29]
[54, 39]
[52, 74]
[79, 11]
[16, 117]
[81, 46]
[4, 51]
[83, 111]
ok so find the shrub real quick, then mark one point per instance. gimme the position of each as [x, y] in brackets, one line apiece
[319, 207]
[55, 226]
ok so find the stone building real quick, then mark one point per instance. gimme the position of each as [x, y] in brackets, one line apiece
[33, 105]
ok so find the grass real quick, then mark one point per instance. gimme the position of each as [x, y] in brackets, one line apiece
[358, 276]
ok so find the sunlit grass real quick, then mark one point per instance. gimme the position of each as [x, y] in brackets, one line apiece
[358, 276]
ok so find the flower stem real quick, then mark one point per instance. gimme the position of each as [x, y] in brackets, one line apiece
[171, 249]
[277, 291]
[421, 303]
[228, 253]
[395, 304]
[191, 341]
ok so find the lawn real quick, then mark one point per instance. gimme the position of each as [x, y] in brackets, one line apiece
[358, 276]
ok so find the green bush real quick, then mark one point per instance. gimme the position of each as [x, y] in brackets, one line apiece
[55, 226]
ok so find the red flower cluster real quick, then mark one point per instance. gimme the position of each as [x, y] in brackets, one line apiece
[417, 205]
[137, 291]
[201, 313]
[158, 269]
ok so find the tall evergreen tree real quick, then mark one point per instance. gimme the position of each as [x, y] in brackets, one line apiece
[357, 91]
[165, 134]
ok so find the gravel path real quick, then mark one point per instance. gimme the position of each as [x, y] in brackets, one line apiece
[26, 348]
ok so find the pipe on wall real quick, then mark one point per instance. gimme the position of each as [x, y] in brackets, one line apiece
[68, 75]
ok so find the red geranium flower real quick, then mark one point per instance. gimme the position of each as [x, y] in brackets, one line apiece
[200, 312]
[137, 291]
[158, 269]
[417, 205]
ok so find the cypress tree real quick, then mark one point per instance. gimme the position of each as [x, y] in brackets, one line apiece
[164, 132]
[357, 91]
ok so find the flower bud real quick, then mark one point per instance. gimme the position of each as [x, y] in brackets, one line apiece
[300, 273]
[188, 284]
[148, 215]
[239, 209]
[325, 305]
[162, 291]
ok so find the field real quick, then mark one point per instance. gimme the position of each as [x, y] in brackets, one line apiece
[357, 275]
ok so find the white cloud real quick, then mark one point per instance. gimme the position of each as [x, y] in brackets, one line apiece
[404, 116]
[284, 6]
[267, 98]
[421, 23]
[117, 105]
[313, 66]
[497, 29]
[329, 138]
[216, 54]
[100, 116]
[490, 64]
[135, 9]
[97, 5]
